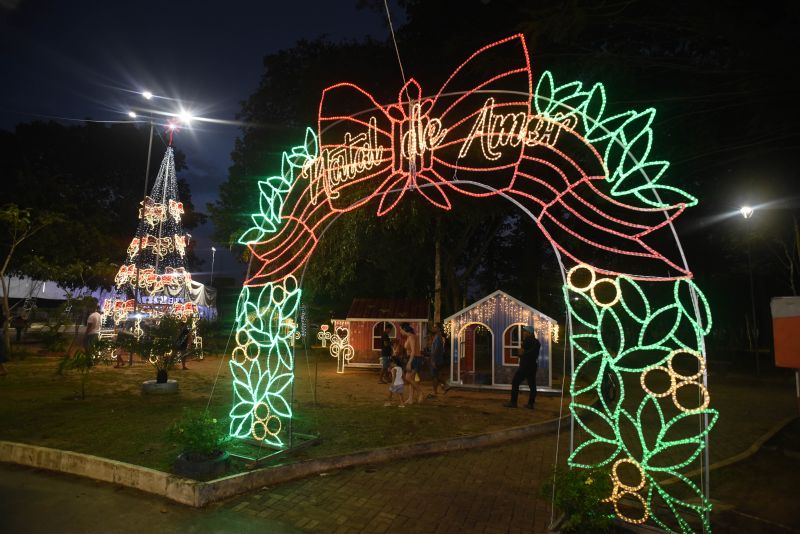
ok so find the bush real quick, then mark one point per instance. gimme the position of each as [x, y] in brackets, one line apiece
[199, 436]
[581, 495]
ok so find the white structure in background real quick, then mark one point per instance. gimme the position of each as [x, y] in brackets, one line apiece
[485, 336]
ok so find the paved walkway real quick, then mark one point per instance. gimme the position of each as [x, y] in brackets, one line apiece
[489, 490]
[486, 490]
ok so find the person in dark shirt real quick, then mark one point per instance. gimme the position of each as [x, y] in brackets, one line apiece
[386, 354]
[528, 366]
[182, 343]
[437, 359]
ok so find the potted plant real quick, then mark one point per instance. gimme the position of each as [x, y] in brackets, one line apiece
[582, 496]
[158, 346]
[203, 442]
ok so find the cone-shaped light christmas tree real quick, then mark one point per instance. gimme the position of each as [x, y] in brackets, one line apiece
[156, 256]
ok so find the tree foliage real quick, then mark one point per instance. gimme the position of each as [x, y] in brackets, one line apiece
[89, 180]
[707, 70]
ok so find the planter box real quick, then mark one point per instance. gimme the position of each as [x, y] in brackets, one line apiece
[213, 468]
[151, 387]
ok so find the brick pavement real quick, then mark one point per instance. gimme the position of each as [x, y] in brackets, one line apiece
[494, 489]
[491, 490]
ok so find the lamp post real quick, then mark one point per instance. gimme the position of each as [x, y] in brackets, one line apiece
[213, 252]
[747, 213]
[147, 95]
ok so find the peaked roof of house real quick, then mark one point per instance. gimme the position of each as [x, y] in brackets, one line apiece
[496, 294]
[363, 308]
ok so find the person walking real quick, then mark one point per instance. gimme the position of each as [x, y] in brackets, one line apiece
[414, 364]
[386, 355]
[396, 384]
[92, 329]
[528, 366]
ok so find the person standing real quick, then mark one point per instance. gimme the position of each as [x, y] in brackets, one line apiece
[182, 343]
[414, 364]
[92, 329]
[528, 366]
[386, 354]
[437, 359]
[3, 357]
[20, 323]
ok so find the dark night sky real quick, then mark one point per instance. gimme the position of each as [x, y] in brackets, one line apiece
[88, 59]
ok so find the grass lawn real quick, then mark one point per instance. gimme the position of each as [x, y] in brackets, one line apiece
[116, 421]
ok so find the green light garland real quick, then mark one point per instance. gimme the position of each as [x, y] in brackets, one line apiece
[262, 364]
[640, 331]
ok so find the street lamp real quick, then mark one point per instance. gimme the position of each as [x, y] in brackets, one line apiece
[132, 114]
[147, 95]
[747, 213]
[213, 252]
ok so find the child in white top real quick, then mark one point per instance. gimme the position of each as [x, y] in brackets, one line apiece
[396, 385]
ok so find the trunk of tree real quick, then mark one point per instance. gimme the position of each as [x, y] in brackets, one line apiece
[6, 315]
[6, 307]
[437, 268]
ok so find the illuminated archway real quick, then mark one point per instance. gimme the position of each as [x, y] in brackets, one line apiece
[583, 176]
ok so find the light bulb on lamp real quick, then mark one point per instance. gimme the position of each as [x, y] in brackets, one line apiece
[746, 211]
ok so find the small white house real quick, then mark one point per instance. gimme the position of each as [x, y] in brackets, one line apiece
[485, 336]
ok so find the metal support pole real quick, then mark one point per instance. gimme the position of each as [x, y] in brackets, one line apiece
[144, 196]
[753, 308]
[213, 253]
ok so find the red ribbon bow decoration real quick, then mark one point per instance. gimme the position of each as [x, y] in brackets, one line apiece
[406, 144]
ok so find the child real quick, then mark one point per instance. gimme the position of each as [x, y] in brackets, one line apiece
[396, 385]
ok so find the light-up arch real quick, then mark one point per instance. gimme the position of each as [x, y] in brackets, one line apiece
[584, 177]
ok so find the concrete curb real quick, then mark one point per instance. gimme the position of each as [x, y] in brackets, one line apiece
[199, 494]
[176, 488]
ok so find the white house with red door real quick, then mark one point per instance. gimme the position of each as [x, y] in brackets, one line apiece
[485, 336]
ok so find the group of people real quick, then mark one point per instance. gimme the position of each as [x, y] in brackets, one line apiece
[92, 335]
[403, 362]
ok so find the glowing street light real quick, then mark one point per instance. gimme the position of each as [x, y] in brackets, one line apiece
[746, 211]
[132, 114]
[147, 95]
[185, 117]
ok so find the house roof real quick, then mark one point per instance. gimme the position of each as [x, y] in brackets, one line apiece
[497, 293]
[363, 309]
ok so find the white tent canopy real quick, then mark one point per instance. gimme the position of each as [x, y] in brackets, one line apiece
[25, 288]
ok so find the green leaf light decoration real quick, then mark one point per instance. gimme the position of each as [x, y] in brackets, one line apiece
[641, 333]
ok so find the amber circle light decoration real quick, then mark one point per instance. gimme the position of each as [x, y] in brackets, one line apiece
[587, 178]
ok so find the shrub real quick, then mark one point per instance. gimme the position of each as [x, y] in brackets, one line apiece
[199, 436]
[580, 494]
